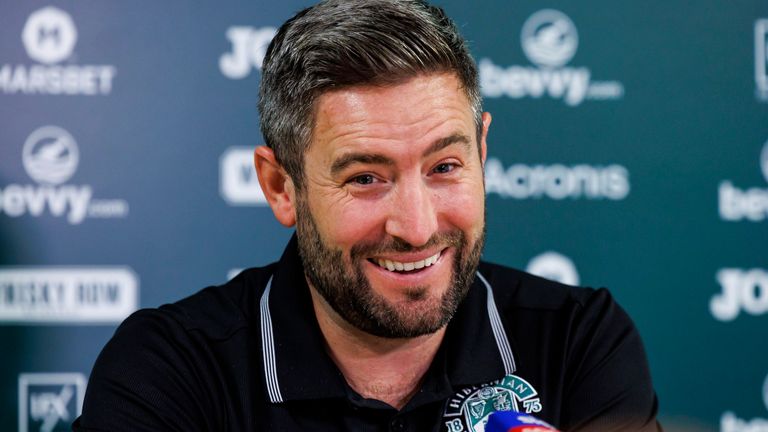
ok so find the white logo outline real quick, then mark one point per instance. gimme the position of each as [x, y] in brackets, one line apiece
[554, 266]
[44, 165]
[49, 35]
[63, 378]
[549, 38]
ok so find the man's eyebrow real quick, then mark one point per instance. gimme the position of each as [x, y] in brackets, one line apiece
[348, 159]
[447, 141]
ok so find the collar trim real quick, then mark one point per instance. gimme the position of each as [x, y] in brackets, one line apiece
[268, 340]
[502, 342]
[268, 347]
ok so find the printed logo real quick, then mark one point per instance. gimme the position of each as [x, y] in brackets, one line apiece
[554, 266]
[549, 39]
[761, 59]
[745, 290]
[94, 295]
[238, 181]
[50, 401]
[558, 182]
[469, 409]
[50, 157]
[249, 46]
[49, 37]
[751, 204]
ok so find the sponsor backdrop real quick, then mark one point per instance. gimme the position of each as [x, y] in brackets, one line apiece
[629, 149]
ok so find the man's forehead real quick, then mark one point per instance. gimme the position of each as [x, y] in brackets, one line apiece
[426, 107]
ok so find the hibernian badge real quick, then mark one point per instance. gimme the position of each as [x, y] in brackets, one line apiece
[468, 410]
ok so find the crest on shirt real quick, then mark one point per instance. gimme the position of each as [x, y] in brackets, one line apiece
[469, 409]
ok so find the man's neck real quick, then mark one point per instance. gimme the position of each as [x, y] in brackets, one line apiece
[385, 369]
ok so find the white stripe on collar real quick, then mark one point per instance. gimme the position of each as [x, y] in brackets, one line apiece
[498, 331]
[268, 340]
[268, 348]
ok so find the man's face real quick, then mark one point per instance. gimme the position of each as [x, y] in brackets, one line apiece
[391, 218]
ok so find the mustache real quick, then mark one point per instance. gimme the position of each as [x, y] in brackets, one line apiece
[396, 244]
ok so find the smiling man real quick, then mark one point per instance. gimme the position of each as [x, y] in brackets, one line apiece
[379, 315]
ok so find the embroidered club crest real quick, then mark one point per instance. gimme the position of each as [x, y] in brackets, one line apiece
[468, 410]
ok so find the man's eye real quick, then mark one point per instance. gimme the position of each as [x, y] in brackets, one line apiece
[364, 179]
[444, 168]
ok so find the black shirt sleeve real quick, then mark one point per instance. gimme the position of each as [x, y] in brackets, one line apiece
[145, 380]
[608, 384]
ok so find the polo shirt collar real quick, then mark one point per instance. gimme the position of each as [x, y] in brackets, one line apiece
[475, 350]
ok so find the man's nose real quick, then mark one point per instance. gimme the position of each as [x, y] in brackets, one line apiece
[412, 213]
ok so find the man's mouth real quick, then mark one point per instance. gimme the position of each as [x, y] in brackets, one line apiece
[397, 266]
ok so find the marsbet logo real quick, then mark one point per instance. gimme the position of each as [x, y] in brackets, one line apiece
[50, 157]
[238, 181]
[249, 46]
[554, 266]
[49, 37]
[736, 204]
[557, 181]
[745, 290]
[49, 401]
[549, 39]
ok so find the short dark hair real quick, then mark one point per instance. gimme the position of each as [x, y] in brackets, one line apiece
[341, 43]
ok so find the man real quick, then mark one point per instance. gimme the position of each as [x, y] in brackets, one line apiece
[379, 315]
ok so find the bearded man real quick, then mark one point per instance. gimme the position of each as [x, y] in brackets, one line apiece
[379, 315]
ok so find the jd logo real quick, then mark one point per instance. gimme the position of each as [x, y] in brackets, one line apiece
[741, 289]
[249, 45]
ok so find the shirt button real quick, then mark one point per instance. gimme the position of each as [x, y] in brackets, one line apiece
[396, 425]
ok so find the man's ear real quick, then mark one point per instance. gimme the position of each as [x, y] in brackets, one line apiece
[277, 185]
[483, 145]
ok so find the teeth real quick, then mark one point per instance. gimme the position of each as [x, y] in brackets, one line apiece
[400, 266]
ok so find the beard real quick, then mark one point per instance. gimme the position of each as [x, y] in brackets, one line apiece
[344, 286]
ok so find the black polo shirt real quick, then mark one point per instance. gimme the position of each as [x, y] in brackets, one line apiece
[249, 356]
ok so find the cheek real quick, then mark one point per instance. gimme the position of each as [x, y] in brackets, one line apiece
[345, 223]
[463, 208]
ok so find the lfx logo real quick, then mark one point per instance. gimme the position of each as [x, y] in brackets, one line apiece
[49, 402]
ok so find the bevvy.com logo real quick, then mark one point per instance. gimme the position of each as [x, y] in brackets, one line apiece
[556, 181]
[49, 37]
[549, 39]
[249, 46]
[49, 402]
[751, 204]
[50, 156]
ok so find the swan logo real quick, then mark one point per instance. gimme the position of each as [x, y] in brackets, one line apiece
[549, 38]
[50, 155]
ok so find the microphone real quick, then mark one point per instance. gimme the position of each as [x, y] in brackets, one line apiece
[510, 421]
